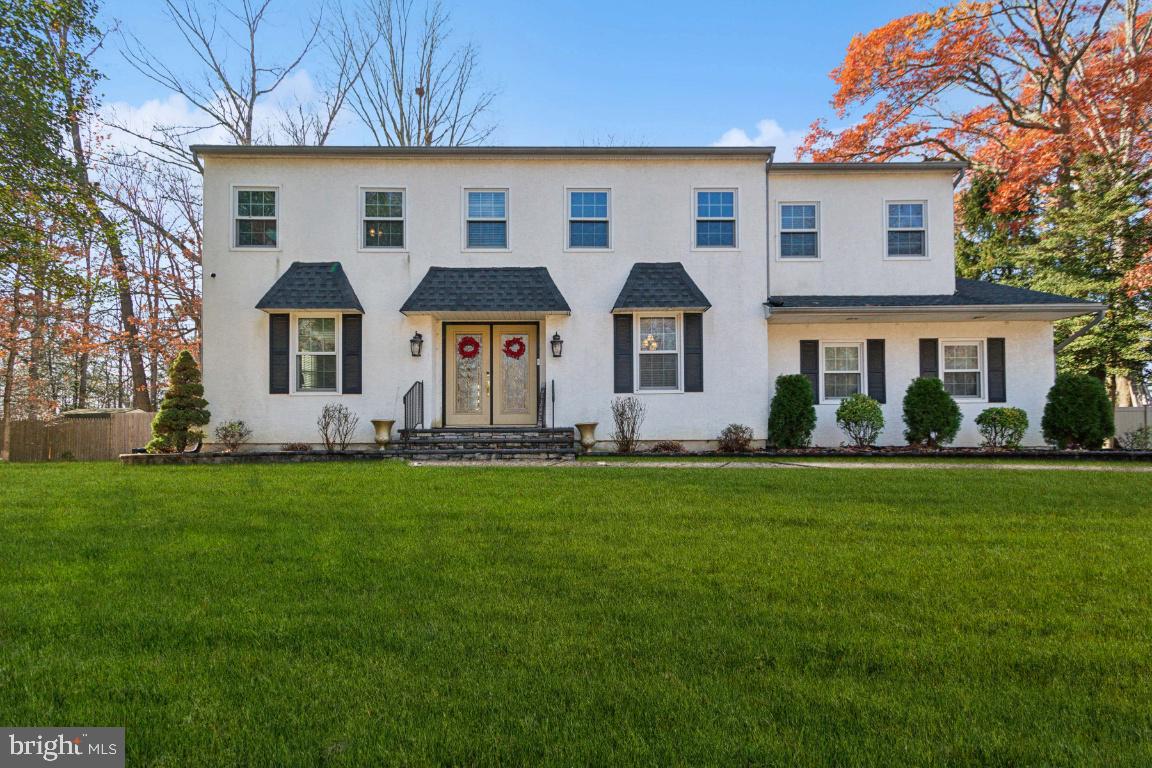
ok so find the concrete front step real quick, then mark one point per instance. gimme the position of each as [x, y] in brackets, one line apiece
[497, 454]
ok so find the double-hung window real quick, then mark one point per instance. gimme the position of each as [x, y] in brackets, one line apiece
[907, 231]
[715, 218]
[487, 222]
[963, 368]
[799, 231]
[383, 218]
[256, 219]
[316, 354]
[843, 370]
[658, 352]
[588, 219]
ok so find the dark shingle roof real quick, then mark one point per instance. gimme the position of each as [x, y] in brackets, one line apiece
[311, 285]
[969, 293]
[486, 289]
[662, 285]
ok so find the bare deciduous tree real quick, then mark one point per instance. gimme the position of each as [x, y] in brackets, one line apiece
[226, 92]
[414, 90]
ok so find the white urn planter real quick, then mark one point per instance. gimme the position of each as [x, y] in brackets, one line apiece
[383, 429]
[587, 431]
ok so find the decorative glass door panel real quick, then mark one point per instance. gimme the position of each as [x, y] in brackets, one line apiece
[490, 375]
[514, 375]
[468, 378]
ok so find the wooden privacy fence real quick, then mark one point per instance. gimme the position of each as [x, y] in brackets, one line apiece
[86, 435]
[1132, 419]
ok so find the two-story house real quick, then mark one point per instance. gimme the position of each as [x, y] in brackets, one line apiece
[526, 284]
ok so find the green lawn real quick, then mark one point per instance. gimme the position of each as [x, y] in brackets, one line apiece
[376, 614]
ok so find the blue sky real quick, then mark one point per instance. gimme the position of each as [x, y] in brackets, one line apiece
[577, 73]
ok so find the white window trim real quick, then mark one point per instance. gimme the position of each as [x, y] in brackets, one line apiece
[780, 232]
[927, 251]
[863, 347]
[234, 209]
[982, 352]
[679, 317]
[568, 247]
[294, 350]
[507, 219]
[361, 202]
[735, 214]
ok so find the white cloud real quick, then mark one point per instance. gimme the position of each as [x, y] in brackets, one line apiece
[175, 111]
[769, 133]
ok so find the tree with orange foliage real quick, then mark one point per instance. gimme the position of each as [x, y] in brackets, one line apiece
[1023, 90]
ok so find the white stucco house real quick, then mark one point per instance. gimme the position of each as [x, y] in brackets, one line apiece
[520, 286]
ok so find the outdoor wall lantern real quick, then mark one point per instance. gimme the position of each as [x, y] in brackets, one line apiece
[416, 344]
[557, 344]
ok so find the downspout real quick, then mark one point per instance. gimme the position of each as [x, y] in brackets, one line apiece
[1092, 324]
[768, 230]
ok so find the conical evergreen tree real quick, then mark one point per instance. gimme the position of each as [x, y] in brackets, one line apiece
[182, 410]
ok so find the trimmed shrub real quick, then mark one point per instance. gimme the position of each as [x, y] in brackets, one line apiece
[668, 446]
[793, 414]
[735, 438]
[1002, 427]
[232, 435]
[627, 416]
[1136, 440]
[182, 410]
[1078, 413]
[931, 416]
[861, 418]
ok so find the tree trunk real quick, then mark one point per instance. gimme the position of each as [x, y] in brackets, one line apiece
[10, 369]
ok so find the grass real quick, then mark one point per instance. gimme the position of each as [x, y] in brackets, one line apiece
[350, 614]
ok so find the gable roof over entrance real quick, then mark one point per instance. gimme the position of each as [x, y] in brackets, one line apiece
[493, 291]
[311, 285]
[660, 285]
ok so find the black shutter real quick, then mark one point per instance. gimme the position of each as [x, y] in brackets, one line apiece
[622, 352]
[877, 385]
[810, 366]
[351, 348]
[278, 353]
[997, 372]
[929, 358]
[693, 352]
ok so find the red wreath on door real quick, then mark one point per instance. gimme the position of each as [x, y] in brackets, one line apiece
[468, 347]
[515, 347]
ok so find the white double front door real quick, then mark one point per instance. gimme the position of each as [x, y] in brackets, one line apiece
[490, 374]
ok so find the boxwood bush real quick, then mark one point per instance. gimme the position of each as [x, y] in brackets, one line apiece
[861, 419]
[1078, 413]
[793, 414]
[1002, 427]
[931, 416]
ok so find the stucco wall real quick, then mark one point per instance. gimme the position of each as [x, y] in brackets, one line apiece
[853, 233]
[652, 220]
[1028, 358]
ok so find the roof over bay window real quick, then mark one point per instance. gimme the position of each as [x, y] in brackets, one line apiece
[660, 285]
[311, 286]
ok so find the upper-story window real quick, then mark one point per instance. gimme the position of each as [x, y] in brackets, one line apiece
[715, 218]
[907, 231]
[256, 219]
[588, 219]
[383, 218]
[316, 354]
[799, 231]
[963, 369]
[487, 223]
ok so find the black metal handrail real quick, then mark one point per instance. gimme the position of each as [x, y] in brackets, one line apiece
[413, 409]
[542, 405]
